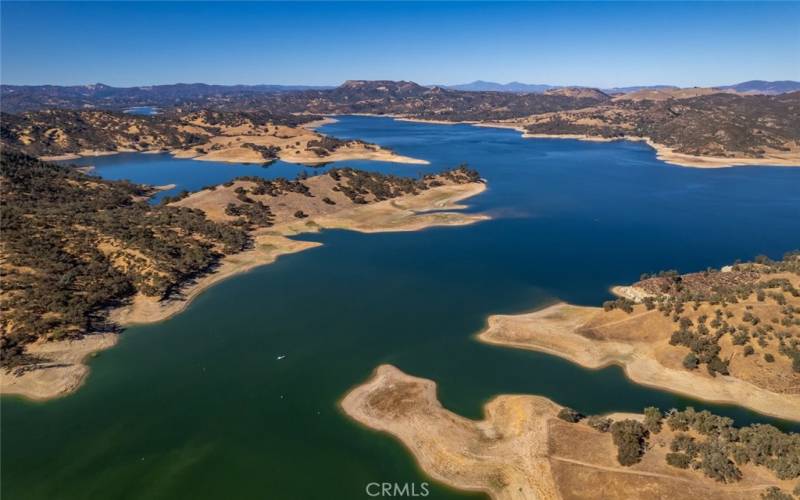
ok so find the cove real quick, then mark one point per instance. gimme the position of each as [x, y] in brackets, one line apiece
[199, 406]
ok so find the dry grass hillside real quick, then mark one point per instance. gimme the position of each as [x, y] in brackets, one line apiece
[731, 335]
[73, 245]
[241, 137]
[717, 125]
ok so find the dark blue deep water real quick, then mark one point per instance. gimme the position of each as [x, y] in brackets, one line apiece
[199, 407]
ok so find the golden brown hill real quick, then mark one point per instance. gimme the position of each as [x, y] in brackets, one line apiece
[528, 447]
[579, 93]
[74, 245]
[731, 336]
[705, 131]
[264, 203]
[254, 137]
[669, 93]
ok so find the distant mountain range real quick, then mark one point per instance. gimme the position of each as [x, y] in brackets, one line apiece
[696, 121]
[497, 101]
[751, 87]
[26, 97]
[482, 86]
[763, 87]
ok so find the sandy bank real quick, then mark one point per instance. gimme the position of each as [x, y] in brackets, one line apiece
[521, 450]
[457, 451]
[313, 125]
[561, 330]
[261, 143]
[64, 371]
[663, 153]
[83, 154]
[402, 214]
[668, 155]
[246, 155]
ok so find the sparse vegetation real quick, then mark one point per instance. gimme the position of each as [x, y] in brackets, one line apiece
[702, 441]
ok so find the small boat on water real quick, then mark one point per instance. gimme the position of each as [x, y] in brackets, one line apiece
[281, 357]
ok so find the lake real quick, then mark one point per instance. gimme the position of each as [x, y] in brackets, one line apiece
[199, 406]
[142, 110]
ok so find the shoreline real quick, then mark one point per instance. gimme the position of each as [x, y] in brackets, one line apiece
[348, 406]
[381, 154]
[520, 448]
[313, 125]
[409, 213]
[663, 153]
[553, 330]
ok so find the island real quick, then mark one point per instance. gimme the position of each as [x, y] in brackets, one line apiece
[531, 447]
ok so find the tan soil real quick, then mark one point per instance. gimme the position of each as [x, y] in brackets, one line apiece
[228, 144]
[665, 94]
[62, 373]
[521, 450]
[667, 155]
[639, 342]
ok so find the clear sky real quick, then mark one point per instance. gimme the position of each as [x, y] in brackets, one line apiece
[595, 44]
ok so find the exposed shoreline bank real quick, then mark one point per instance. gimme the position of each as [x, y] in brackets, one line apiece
[181, 154]
[663, 153]
[520, 448]
[554, 330]
[64, 370]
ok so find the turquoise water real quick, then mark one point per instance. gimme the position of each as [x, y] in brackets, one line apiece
[199, 406]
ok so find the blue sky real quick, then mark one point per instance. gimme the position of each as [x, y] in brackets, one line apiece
[598, 44]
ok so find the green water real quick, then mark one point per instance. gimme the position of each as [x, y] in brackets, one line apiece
[199, 406]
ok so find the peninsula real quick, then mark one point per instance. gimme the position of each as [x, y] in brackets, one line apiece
[528, 447]
[235, 137]
[729, 336]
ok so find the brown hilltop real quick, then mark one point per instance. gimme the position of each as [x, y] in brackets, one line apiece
[664, 94]
[227, 136]
[578, 92]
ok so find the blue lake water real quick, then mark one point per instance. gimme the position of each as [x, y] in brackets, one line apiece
[199, 407]
[142, 110]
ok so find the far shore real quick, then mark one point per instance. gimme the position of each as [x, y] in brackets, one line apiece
[663, 153]
[65, 371]
[232, 156]
[313, 125]
[554, 330]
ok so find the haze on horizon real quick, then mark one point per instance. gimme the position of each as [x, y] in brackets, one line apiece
[600, 45]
